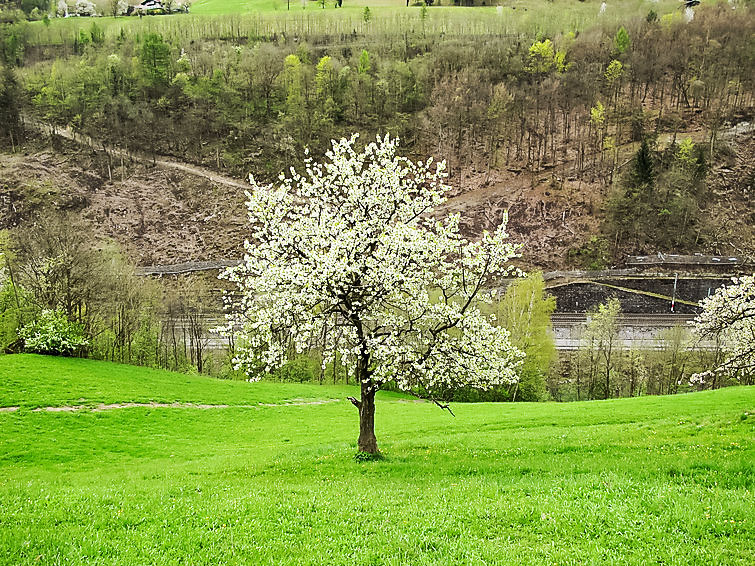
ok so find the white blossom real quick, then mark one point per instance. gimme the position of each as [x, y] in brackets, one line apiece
[85, 8]
[346, 255]
[728, 316]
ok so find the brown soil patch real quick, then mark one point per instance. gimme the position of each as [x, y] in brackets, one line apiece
[153, 405]
[172, 212]
[157, 215]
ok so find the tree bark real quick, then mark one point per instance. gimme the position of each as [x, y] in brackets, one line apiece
[367, 441]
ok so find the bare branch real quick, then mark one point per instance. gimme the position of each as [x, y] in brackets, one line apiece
[447, 407]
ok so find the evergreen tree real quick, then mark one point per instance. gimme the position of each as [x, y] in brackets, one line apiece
[642, 172]
[10, 97]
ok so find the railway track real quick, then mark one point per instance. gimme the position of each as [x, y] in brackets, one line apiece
[662, 320]
[636, 331]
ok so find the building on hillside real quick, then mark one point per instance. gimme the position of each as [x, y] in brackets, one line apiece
[150, 7]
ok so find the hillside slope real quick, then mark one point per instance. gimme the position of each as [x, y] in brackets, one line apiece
[163, 215]
[666, 479]
[29, 381]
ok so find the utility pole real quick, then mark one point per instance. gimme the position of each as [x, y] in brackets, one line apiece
[673, 296]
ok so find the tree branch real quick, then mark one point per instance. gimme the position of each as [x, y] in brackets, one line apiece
[447, 407]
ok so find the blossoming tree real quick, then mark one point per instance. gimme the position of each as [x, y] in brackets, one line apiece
[348, 257]
[729, 317]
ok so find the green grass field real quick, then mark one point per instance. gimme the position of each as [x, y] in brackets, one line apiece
[247, 6]
[662, 480]
[244, 19]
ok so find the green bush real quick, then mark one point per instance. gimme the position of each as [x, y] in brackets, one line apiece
[52, 333]
[15, 307]
[592, 255]
[300, 369]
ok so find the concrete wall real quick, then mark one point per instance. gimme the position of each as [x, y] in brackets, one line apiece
[637, 295]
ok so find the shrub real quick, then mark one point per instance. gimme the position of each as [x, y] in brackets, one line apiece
[52, 333]
[593, 255]
[15, 306]
[300, 369]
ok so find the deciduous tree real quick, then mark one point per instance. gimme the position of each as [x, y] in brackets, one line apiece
[526, 312]
[601, 339]
[350, 244]
[729, 316]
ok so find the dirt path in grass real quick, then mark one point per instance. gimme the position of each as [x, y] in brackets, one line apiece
[153, 405]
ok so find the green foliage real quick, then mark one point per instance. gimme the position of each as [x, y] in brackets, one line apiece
[642, 170]
[559, 59]
[28, 6]
[671, 365]
[624, 481]
[525, 311]
[83, 39]
[292, 79]
[601, 348]
[10, 104]
[58, 266]
[685, 152]
[621, 41]
[97, 34]
[593, 255]
[13, 42]
[613, 72]
[300, 369]
[598, 114]
[226, 99]
[155, 60]
[669, 188]
[16, 306]
[543, 57]
[52, 333]
[364, 63]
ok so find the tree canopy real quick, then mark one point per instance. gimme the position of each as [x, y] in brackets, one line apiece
[348, 256]
[728, 316]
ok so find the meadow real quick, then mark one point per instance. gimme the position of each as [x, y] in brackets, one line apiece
[667, 480]
[242, 20]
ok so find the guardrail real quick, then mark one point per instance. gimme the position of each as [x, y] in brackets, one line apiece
[692, 260]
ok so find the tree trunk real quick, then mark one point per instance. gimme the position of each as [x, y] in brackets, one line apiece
[367, 441]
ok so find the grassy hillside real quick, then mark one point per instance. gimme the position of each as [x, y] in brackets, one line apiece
[237, 6]
[587, 8]
[211, 19]
[666, 480]
[31, 381]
